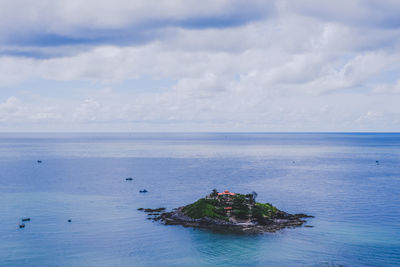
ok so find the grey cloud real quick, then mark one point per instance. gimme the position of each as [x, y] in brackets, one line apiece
[360, 13]
[55, 23]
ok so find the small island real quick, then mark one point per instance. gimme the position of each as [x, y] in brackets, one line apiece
[228, 211]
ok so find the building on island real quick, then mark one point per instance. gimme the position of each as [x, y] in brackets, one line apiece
[228, 210]
[225, 196]
[226, 193]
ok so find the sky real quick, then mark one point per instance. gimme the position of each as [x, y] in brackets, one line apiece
[199, 66]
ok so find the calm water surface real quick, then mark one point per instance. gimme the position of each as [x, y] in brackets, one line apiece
[356, 203]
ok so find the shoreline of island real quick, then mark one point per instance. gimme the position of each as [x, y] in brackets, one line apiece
[177, 217]
[229, 212]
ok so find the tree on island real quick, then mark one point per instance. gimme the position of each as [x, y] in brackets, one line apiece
[240, 207]
[214, 193]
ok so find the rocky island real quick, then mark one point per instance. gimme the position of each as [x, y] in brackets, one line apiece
[227, 211]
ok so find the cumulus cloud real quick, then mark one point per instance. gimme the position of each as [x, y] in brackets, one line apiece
[262, 65]
[11, 109]
[14, 110]
[87, 111]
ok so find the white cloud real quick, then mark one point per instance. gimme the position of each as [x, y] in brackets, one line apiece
[11, 109]
[89, 110]
[388, 88]
[295, 70]
[14, 110]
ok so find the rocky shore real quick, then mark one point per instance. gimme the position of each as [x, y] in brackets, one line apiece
[282, 220]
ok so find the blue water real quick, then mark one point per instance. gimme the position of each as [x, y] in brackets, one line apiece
[356, 203]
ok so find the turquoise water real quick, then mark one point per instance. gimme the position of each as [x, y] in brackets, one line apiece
[356, 203]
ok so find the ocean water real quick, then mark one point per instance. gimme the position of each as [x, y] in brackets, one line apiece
[333, 176]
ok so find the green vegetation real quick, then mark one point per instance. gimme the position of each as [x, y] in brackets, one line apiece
[267, 209]
[261, 212]
[205, 208]
[241, 207]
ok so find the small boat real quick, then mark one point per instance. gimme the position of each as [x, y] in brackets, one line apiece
[39, 161]
[69, 220]
[143, 191]
[22, 225]
[26, 219]
[129, 179]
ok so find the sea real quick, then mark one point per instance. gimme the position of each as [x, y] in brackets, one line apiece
[350, 182]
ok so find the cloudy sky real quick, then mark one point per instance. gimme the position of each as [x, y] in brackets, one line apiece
[190, 65]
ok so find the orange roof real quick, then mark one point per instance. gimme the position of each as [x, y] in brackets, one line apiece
[226, 192]
[228, 208]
